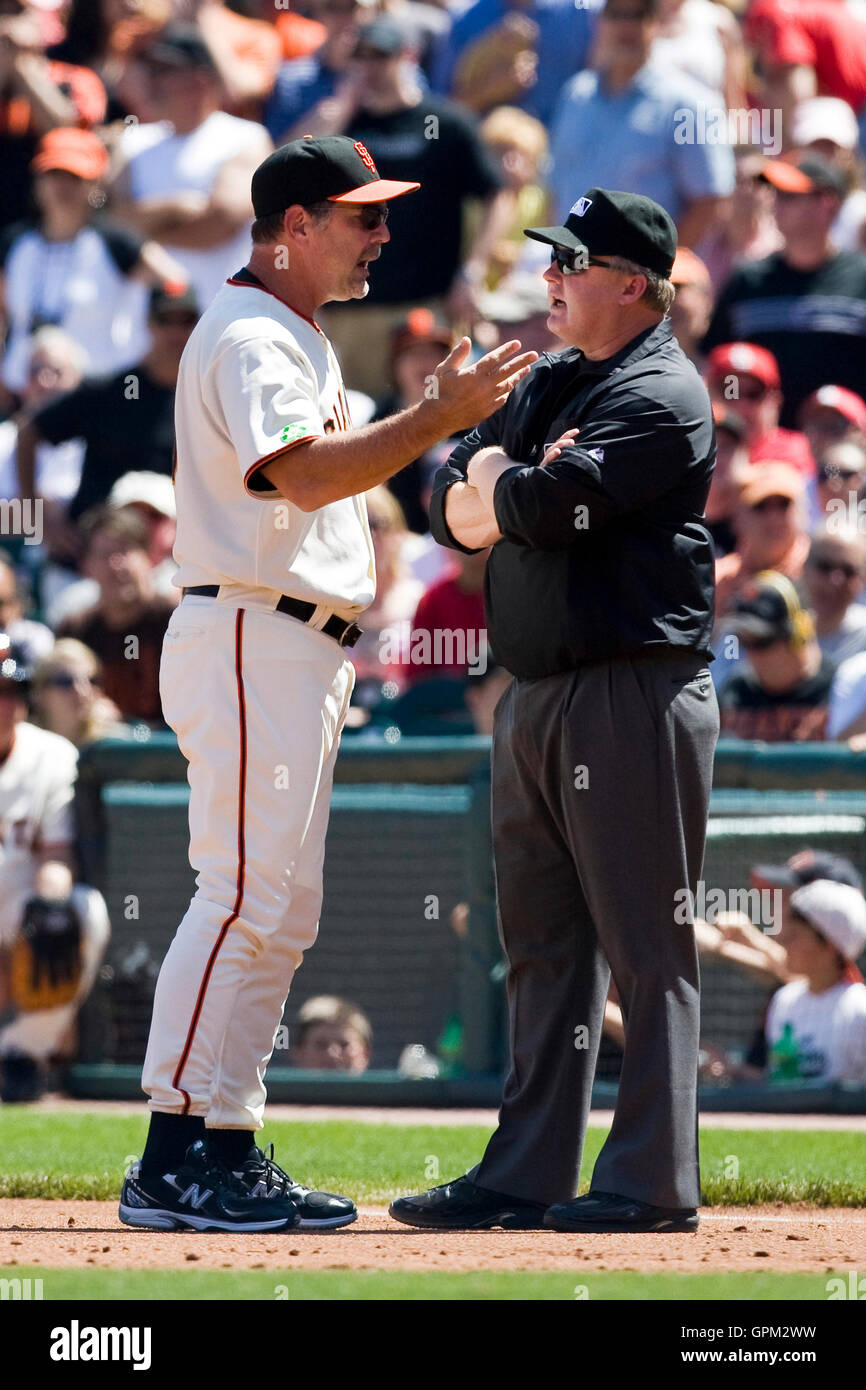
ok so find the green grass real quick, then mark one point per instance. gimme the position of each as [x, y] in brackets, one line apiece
[82, 1156]
[160, 1285]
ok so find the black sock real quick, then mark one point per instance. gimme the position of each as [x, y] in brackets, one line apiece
[168, 1139]
[232, 1145]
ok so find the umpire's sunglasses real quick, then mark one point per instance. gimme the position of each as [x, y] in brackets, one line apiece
[575, 262]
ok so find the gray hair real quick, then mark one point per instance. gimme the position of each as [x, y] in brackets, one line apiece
[659, 293]
[270, 228]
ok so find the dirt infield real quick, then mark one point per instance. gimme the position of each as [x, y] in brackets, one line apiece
[777, 1237]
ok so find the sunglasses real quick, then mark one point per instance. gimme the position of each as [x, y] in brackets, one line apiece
[773, 504]
[752, 391]
[63, 681]
[828, 471]
[831, 566]
[371, 55]
[372, 216]
[759, 644]
[575, 262]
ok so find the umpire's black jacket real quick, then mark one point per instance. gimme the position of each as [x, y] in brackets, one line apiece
[604, 552]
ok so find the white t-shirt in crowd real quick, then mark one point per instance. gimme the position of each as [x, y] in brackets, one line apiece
[847, 695]
[255, 378]
[36, 790]
[82, 286]
[829, 1029]
[162, 163]
[58, 466]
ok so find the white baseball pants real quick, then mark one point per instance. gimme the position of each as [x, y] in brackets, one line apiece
[258, 701]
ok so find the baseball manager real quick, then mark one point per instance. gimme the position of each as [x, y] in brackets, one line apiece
[275, 559]
[590, 484]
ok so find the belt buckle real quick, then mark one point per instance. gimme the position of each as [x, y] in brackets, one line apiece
[350, 636]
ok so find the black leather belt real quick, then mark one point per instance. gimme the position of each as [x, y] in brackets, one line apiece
[345, 633]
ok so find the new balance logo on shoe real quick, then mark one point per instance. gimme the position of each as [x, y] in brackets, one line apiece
[194, 1196]
[261, 1189]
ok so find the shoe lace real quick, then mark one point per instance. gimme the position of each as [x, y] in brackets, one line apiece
[227, 1180]
[271, 1173]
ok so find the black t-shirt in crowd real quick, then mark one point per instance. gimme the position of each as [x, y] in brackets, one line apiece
[795, 716]
[437, 145]
[813, 321]
[127, 424]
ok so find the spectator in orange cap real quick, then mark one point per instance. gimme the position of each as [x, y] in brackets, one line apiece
[745, 379]
[805, 303]
[74, 268]
[771, 532]
[36, 95]
[693, 305]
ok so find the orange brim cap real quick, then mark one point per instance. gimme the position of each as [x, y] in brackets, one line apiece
[377, 192]
[786, 177]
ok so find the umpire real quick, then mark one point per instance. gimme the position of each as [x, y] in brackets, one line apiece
[590, 484]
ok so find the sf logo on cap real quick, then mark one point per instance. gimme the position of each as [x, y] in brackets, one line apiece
[365, 155]
[581, 206]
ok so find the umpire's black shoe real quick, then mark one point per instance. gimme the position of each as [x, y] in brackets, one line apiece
[317, 1211]
[462, 1205]
[607, 1213]
[201, 1194]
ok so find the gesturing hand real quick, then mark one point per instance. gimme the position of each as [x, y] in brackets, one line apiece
[468, 394]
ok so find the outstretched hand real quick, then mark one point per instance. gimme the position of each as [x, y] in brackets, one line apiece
[466, 395]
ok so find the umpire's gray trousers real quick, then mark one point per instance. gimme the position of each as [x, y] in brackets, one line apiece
[601, 785]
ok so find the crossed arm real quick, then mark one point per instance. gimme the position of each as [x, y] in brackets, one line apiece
[469, 506]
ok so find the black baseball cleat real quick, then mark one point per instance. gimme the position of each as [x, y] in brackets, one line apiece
[462, 1205]
[317, 1211]
[606, 1213]
[201, 1194]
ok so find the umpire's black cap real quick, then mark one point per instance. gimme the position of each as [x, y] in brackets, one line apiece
[331, 168]
[605, 222]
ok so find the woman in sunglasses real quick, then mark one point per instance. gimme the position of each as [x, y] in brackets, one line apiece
[67, 698]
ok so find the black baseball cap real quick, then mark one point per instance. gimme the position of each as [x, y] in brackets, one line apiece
[810, 174]
[179, 46]
[330, 168]
[762, 613]
[821, 865]
[381, 35]
[606, 222]
[170, 296]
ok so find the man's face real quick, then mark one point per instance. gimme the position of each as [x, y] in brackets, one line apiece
[343, 245]
[169, 332]
[808, 952]
[778, 666]
[584, 307]
[121, 569]
[332, 1047]
[824, 426]
[800, 215]
[57, 189]
[773, 521]
[377, 73]
[834, 573]
[625, 33]
[757, 404]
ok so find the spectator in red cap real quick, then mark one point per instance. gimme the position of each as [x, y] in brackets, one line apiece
[74, 268]
[806, 48]
[745, 378]
[832, 415]
[806, 303]
[771, 531]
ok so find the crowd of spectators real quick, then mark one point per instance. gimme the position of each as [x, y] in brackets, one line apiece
[128, 133]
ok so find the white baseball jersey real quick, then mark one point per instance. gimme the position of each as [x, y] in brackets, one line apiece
[255, 378]
[36, 789]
